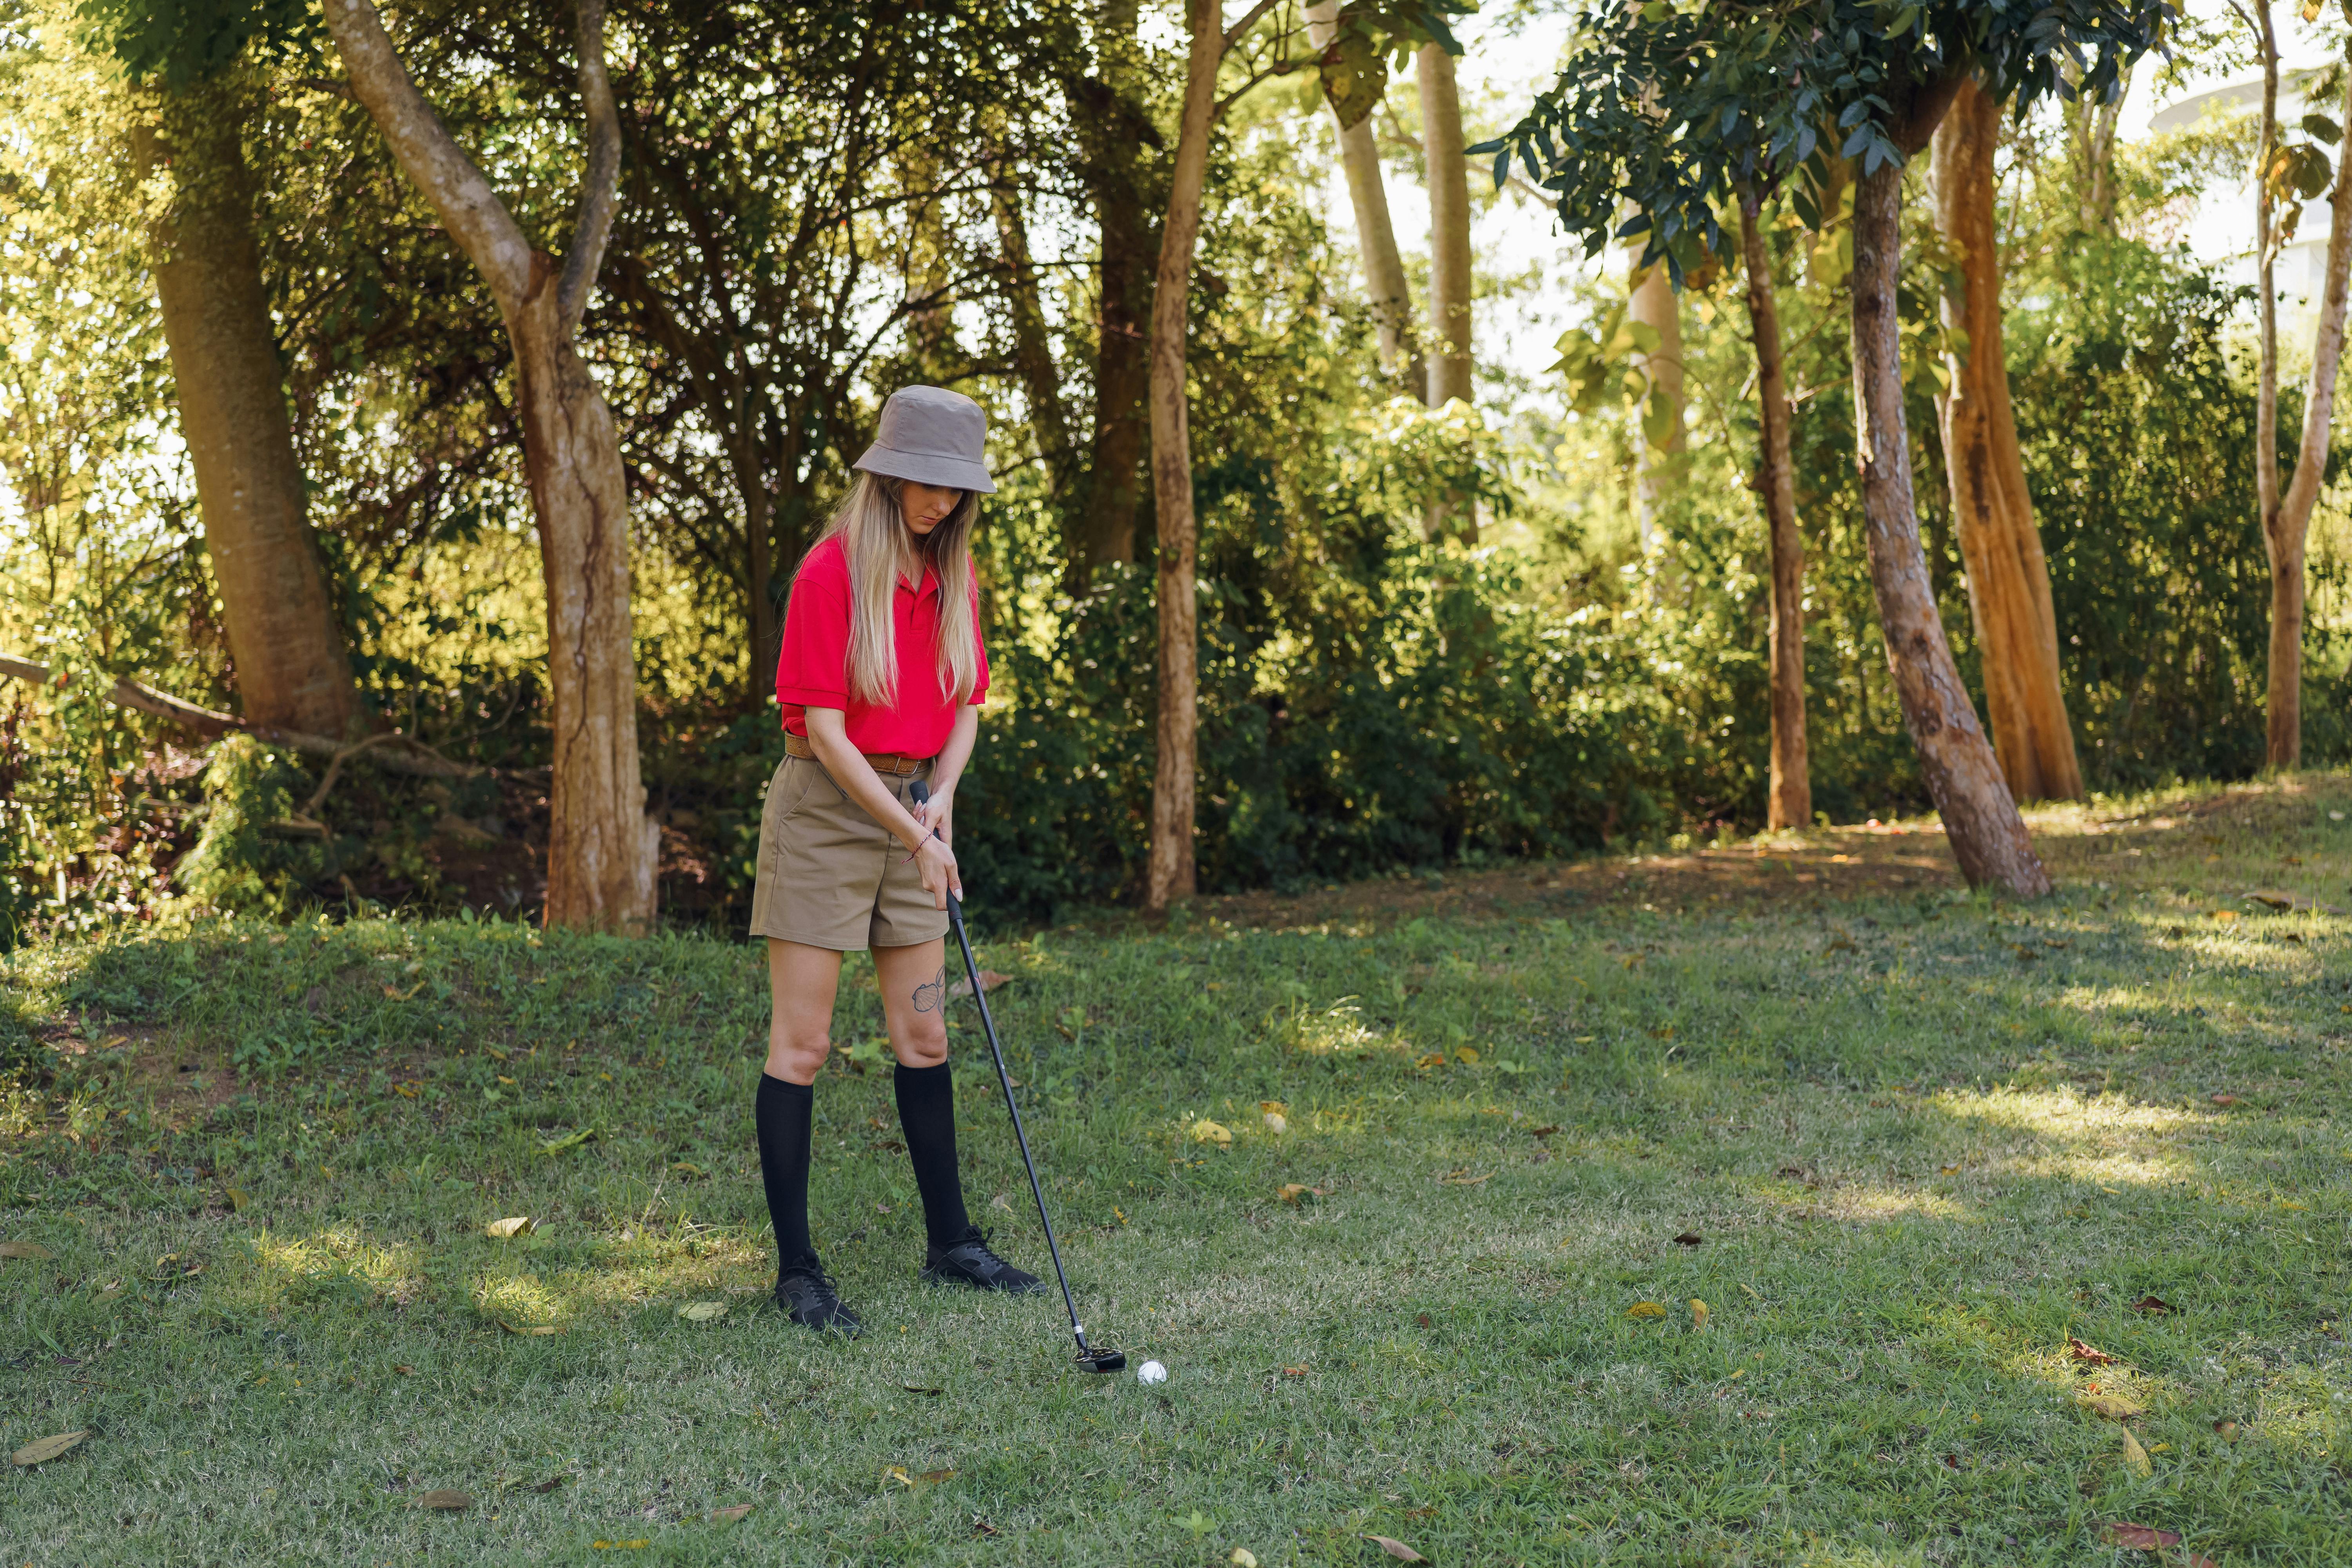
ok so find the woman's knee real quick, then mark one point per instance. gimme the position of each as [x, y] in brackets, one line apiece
[922, 1043]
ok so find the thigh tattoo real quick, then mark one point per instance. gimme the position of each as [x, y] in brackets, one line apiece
[932, 994]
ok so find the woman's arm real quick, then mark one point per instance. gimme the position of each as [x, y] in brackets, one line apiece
[829, 739]
[939, 812]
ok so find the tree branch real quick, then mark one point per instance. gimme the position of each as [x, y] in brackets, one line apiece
[594, 225]
[414, 757]
[1240, 30]
[458, 190]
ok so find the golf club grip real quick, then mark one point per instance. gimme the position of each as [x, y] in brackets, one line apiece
[919, 792]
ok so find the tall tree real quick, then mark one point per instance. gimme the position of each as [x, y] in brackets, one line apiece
[284, 638]
[2286, 174]
[1660, 452]
[601, 843]
[1385, 287]
[1169, 873]
[1369, 32]
[2009, 581]
[1116, 127]
[1669, 111]
[1788, 798]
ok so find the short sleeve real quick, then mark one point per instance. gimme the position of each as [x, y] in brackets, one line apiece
[813, 655]
[979, 651]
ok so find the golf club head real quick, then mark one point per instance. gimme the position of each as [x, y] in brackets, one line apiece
[1102, 1361]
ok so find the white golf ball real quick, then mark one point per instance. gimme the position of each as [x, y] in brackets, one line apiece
[1151, 1372]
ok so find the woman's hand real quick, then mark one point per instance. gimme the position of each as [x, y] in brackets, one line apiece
[938, 814]
[937, 864]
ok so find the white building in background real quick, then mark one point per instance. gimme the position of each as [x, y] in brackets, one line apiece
[2223, 228]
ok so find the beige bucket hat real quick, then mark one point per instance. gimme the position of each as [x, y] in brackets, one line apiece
[933, 437]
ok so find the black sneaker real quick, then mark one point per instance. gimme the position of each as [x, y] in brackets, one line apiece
[806, 1293]
[969, 1262]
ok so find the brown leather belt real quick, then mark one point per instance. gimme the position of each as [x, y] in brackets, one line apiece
[891, 762]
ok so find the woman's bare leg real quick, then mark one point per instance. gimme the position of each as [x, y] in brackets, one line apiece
[915, 1000]
[802, 981]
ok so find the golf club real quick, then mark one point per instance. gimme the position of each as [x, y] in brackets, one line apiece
[1091, 1359]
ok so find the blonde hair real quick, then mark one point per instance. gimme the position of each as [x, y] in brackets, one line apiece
[880, 549]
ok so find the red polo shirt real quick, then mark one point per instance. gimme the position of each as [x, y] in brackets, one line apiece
[813, 663]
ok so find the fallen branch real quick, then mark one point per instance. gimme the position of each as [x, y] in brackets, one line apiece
[410, 756]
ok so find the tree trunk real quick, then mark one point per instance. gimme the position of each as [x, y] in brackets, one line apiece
[2009, 581]
[1981, 820]
[1033, 347]
[601, 847]
[1385, 287]
[2092, 129]
[1170, 875]
[1449, 254]
[1790, 803]
[2283, 702]
[1116, 127]
[2287, 530]
[283, 633]
[1658, 465]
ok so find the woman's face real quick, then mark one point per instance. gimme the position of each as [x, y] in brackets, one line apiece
[925, 507]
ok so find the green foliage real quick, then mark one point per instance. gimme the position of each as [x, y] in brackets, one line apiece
[1671, 109]
[253, 855]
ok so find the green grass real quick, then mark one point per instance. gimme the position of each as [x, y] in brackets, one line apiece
[1925, 1137]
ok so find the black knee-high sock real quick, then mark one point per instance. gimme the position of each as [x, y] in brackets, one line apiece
[927, 1116]
[783, 1112]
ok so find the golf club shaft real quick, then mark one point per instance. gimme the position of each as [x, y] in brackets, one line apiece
[996, 1052]
[922, 793]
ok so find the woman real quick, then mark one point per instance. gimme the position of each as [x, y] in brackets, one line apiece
[880, 675]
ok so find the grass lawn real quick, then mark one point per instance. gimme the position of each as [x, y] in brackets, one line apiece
[1901, 1141]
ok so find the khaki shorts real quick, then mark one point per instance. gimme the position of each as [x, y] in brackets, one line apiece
[831, 876]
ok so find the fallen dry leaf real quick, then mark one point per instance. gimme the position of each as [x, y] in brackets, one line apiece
[507, 1229]
[548, 1485]
[1698, 1313]
[1294, 1372]
[1275, 1122]
[639, 1544]
[2139, 1537]
[1207, 1131]
[2223, 1099]
[406, 1371]
[921, 1388]
[32, 1249]
[42, 1450]
[730, 1515]
[1396, 1549]
[446, 1502]
[2114, 1406]
[702, 1311]
[1462, 1178]
[1422, 1319]
[2153, 1306]
[1645, 1310]
[1242, 1557]
[989, 981]
[2226, 1429]
[237, 1198]
[1299, 1192]
[2086, 1353]
[569, 1140]
[2136, 1457]
[1543, 1132]
[1689, 1239]
[534, 1331]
